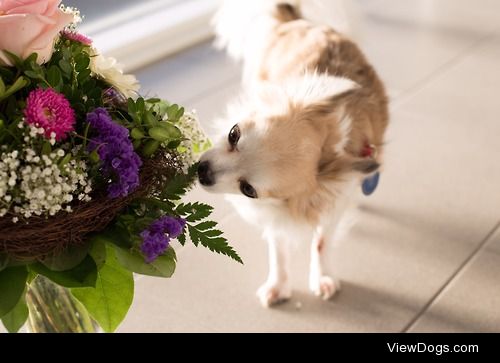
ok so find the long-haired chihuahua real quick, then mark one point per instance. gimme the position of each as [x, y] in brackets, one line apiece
[305, 139]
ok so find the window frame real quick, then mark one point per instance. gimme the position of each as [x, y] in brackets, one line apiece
[143, 34]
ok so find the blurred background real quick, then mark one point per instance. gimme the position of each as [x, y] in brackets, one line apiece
[425, 255]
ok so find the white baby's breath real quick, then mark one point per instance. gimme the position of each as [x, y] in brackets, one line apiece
[197, 141]
[77, 17]
[39, 186]
[46, 189]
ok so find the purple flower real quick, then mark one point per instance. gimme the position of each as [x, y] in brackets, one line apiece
[156, 237]
[113, 98]
[116, 152]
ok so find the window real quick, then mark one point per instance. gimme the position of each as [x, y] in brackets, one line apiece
[140, 32]
[97, 9]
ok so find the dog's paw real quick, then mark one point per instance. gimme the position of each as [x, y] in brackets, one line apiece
[324, 286]
[272, 293]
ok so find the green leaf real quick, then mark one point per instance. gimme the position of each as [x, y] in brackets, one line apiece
[137, 144]
[203, 226]
[182, 239]
[132, 109]
[71, 257]
[137, 134]
[2, 86]
[95, 94]
[179, 113]
[160, 108]
[174, 144]
[66, 53]
[94, 156]
[194, 235]
[54, 77]
[140, 106]
[160, 134]
[16, 318]
[14, 58]
[151, 120]
[33, 74]
[82, 62]
[163, 266]
[46, 148]
[219, 245]
[64, 161]
[194, 211]
[172, 112]
[179, 184]
[173, 131]
[212, 233]
[150, 148]
[12, 285]
[116, 235]
[4, 261]
[83, 77]
[83, 275]
[210, 238]
[204, 233]
[30, 60]
[19, 84]
[109, 302]
[6, 73]
[65, 66]
[98, 251]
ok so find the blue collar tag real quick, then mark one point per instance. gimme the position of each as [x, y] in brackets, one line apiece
[370, 184]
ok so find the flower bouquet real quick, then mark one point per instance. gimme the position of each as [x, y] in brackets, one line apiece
[91, 174]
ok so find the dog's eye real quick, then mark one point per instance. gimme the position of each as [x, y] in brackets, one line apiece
[234, 136]
[247, 189]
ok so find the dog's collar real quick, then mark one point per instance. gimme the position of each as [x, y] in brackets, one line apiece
[370, 183]
[368, 151]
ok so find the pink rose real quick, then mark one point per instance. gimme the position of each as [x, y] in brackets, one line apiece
[30, 26]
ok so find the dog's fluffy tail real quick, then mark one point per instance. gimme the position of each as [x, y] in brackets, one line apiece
[242, 26]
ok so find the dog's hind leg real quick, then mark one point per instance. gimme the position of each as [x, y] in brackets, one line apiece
[320, 283]
[277, 287]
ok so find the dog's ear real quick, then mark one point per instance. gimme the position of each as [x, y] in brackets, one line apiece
[365, 165]
[269, 98]
[337, 167]
[316, 89]
[313, 92]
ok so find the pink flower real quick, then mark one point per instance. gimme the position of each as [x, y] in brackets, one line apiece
[76, 37]
[50, 110]
[30, 26]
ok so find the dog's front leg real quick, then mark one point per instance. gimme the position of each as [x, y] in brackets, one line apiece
[320, 283]
[277, 287]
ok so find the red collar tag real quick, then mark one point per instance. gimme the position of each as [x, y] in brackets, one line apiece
[368, 151]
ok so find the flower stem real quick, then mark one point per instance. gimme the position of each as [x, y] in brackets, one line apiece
[85, 135]
[53, 309]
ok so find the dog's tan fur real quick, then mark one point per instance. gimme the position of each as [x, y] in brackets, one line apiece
[298, 46]
[302, 149]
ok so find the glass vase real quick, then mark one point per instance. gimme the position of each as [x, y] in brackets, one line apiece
[52, 309]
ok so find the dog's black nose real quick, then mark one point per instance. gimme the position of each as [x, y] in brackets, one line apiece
[205, 174]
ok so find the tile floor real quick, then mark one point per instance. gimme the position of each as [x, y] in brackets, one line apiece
[425, 255]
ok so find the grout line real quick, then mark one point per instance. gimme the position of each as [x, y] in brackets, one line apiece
[453, 276]
[405, 94]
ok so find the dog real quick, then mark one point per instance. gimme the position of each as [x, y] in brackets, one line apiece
[308, 132]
